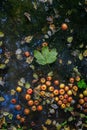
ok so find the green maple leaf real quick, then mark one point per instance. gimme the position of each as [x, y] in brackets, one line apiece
[46, 56]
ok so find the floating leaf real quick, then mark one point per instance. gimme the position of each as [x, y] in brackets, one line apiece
[54, 106]
[10, 116]
[85, 53]
[48, 122]
[28, 39]
[2, 99]
[6, 61]
[29, 59]
[32, 67]
[58, 127]
[35, 76]
[46, 56]
[82, 115]
[5, 113]
[69, 39]
[27, 85]
[1, 34]
[18, 51]
[52, 111]
[80, 56]
[22, 80]
[69, 109]
[50, 73]
[64, 123]
[13, 92]
[70, 118]
[1, 43]
[20, 83]
[82, 84]
[2, 66]
[14, 128]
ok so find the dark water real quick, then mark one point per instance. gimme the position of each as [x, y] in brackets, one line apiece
[16, 27]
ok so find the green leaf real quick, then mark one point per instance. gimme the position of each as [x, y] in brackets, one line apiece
[69, 39]
[2, 66]
[27, 85]
[1, 34]
[1, 43]
[82, 84]
[39, 57]
[2, 99]
[46, 56]
[68, 109]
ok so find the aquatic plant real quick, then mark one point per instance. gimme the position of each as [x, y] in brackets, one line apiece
[46, 56]
[82, 84]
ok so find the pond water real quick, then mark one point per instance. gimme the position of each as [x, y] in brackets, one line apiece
[24, 27]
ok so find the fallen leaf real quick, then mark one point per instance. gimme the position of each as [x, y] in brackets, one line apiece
[2, 99]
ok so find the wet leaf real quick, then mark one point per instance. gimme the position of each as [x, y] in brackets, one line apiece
[85, 125]
[10, 116]
[13, 92]
[28, 39]
[64, 123]
[81, 45]
[27, 85]
[1, 34]
[58, 127]
[69, 62]
[82, 84]
[19, 57]
[52, 111]
[50, 73]
[48, 122]
[46, 56]
[22, 80]
[44, 127]
[85, 53]
[35, 76]
[2, 66]
[69, 109]
[6, 61]
[2, 99]
[13, 128]
[69, 39]
[1, 43]
[5, 113]
[66, 128]
[82, 115]
[20, 83]
[70, 118]
[80, 56]
[32, 67]
[2, 82]
[29, 59]
[54, 106]
[18, 51]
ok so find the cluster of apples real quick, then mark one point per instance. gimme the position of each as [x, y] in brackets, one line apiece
[61, 93]
[82, 105]
[32, 104]
[46, 88]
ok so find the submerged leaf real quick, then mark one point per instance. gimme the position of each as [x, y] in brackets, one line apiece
[27, 85]
[1, 43]
[2, 99]
[2, 66]
[35, 76]
[69, 39]
[50, 73]
[1, 34]
[5, 113]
